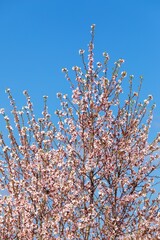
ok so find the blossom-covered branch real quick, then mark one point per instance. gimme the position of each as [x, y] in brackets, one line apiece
[92, 177]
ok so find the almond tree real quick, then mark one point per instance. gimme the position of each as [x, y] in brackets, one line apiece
[92, 177]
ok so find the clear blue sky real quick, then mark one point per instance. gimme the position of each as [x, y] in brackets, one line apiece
[39, 37]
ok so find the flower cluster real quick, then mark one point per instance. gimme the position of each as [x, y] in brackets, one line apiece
[92, 176]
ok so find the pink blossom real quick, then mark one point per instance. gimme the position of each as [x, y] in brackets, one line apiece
[89, 176]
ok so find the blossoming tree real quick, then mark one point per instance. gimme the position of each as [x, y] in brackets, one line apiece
[92, 176]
